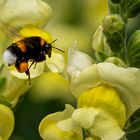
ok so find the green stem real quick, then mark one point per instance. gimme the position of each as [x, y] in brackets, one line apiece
[122, 11]
[125, 43]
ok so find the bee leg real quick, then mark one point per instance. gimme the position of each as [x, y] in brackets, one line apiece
[31, 64]
[35, 65]
[28, 74]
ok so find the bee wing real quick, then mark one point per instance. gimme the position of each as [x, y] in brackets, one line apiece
[10, 30]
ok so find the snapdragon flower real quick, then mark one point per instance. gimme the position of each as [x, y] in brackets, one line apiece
[107, 89]
[49, 129]
[104, 88]
[107, 96]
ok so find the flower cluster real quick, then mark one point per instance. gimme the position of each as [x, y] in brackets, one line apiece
[106, 85]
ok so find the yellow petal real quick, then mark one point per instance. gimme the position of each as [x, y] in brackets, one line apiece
[104, 97]
[49, 130]
[6, 122]
[124, 80]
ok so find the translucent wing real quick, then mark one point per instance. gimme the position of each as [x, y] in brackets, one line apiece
[10, 30]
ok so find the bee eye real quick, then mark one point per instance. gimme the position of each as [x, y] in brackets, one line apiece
[48, 49]
[47, 46]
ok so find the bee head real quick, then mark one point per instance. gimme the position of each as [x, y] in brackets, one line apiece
[48, 49]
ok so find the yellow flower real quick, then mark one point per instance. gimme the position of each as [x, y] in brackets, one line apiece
[107, 95]
[101, 112]
[6, 122]
[49, 128]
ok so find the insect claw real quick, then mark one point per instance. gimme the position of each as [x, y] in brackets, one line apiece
[35, 65]
[28, 74]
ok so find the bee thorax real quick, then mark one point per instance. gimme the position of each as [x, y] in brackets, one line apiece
[9, 57]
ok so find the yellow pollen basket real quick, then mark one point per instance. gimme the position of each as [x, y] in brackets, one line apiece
[23, 67]
[104, 97]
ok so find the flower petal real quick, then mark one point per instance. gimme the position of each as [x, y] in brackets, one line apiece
[107, 98]
[66, 125]
[18, 88]
[77, 61]
[100, 46]
[6, 122]
[56, 62]
[87, 79]
[49, 129]
[125, 80]
[34, 71]
[85, 116]
[98, 123]
[21, 13]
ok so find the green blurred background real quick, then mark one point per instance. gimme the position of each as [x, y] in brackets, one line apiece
[73, 20]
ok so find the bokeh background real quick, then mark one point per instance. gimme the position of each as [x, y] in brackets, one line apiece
[73, 20]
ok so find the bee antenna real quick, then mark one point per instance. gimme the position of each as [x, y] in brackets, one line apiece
[55, 47]
[58, 49]
[53, 41]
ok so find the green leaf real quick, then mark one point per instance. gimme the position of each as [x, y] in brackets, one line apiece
[133, 127]
[136, 114]
[113, 8]
[124, 138]
[133, 123]
[134, 50]
[116, 1]
[113, 28]
[130, 8]
[101, 56]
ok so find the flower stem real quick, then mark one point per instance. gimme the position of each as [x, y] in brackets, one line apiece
[121, 12]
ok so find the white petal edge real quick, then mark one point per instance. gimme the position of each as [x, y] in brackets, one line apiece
[98, 123]
[56, 62]
[77, 61]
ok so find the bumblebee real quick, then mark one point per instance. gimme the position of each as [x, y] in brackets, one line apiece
[27, 49]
